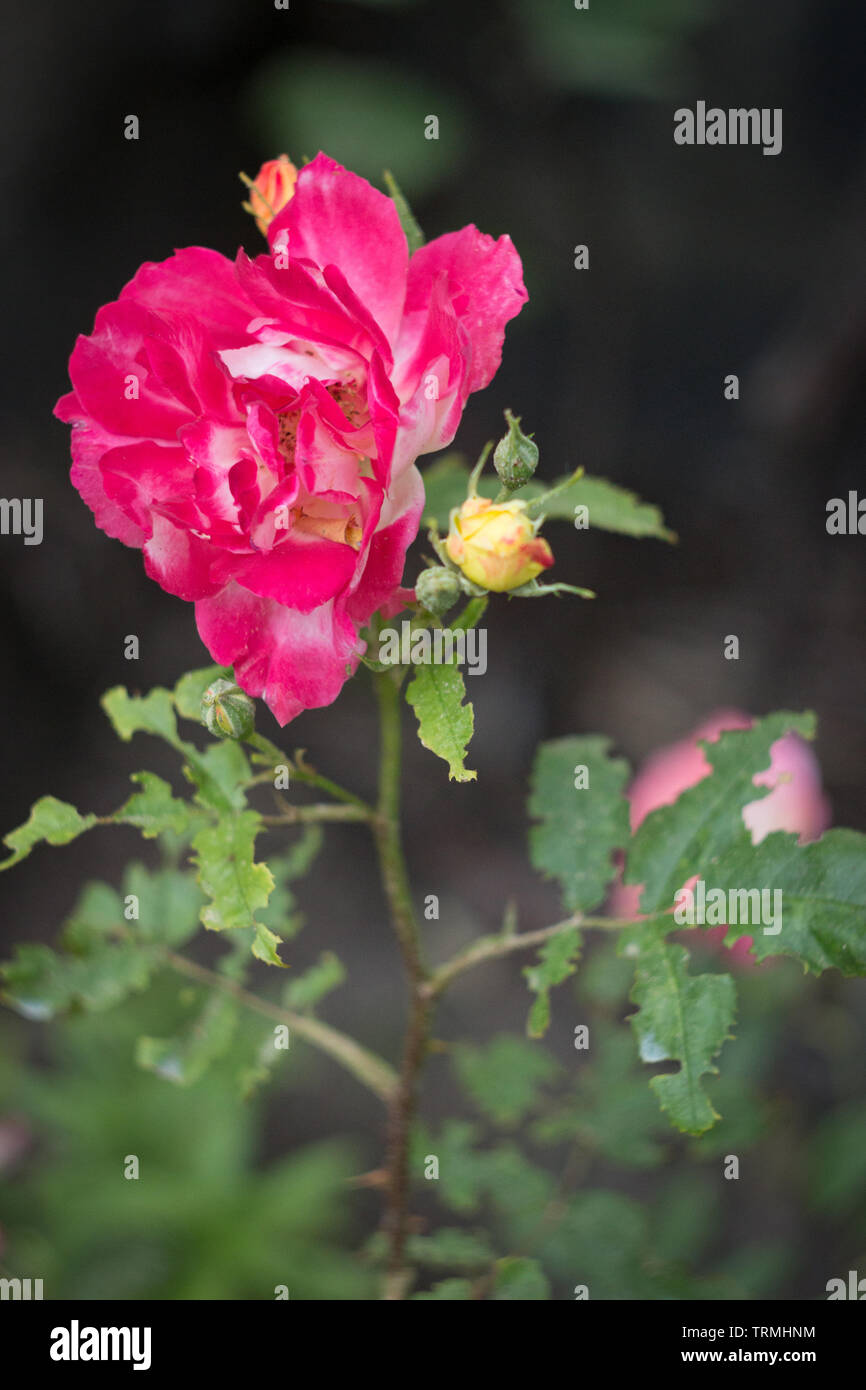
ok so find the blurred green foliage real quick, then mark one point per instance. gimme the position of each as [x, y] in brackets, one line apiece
[365, 113]
[202, 1220]
[619, 48]
[598, 1191]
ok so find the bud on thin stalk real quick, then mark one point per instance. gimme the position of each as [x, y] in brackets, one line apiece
[227, 711]
[516, 456]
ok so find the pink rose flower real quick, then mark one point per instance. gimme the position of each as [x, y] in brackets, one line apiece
[253, 426]
[797, 802]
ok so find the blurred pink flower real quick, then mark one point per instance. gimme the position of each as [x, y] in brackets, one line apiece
[797, 802]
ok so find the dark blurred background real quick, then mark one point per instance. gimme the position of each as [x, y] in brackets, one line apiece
[557, 127]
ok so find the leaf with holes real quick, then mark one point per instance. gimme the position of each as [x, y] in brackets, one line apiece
[55, 822]
[149, 714]
[228, 873]
[155, 809]
[681, 1018]
[675, 842]
[815, 894]
[436, 693]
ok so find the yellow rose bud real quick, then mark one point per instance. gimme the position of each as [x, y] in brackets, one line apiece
[270, 190]
[495, 545]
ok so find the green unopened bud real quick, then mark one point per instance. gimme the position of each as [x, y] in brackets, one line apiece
[515, 457]
[227, 711]
[437, 590]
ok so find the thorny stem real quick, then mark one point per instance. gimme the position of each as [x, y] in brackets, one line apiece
[373, 1071]
[395, 881]
[424, 986]
[398, 1092]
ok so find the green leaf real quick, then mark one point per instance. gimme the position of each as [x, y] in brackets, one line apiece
[462, 1168]
[153, 909]
[579, 827]
[608, 507]
[256, 1068]
[436, 693]
[97, 914]
[414, 235]
[601, 1240]
[51, 820]
[190, 688]
[675, 842]
[184, 1059]
[682, 1018]
[520, 1279]
[556, 961]
[517, 1190]
[155, 809]
[266, 945]
[281, 913]
[106, 954]
[450, 1248]
[40, 983]
[610, 1110]
[228, 873]
[169, 904]
[504, 1077]
[308, 989]
[150, 714]
[823, 896]
[520, 1191]
[219, 775]
[445, 485]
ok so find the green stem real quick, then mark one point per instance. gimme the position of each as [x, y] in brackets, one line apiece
[300, 815]
[493, 947]
[371, 1070]
[299, 771]
[395, 881]
[395, 877]
[311, 778]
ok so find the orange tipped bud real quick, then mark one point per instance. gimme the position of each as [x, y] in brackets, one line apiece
[270, 190]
